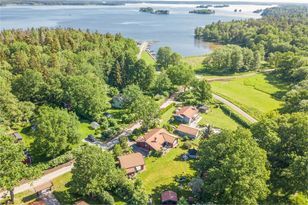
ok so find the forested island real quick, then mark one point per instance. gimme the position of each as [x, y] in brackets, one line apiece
[258, 11]
[221, 6]
[204, 6]
[202, 11]
[152, 11]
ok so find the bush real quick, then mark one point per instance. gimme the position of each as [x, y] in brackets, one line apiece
[168, 127]
[133, 137]
[186, 145]
[185, 138]
[127, 118]
[156, 153]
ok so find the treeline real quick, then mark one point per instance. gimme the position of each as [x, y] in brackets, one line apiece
[232, 58]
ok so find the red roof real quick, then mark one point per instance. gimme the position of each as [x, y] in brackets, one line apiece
[187, 111]
[188, 130]
[38, 202]
[169, 196]
[130, 161]
[157, 137]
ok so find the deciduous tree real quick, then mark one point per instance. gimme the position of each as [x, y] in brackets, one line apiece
[56, 131]
[234, 169]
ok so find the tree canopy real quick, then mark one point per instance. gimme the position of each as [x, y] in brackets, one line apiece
[56, 131]
[234, 169]
[284, 137]
[96, 176]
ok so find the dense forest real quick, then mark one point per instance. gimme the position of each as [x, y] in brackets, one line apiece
[66, 68]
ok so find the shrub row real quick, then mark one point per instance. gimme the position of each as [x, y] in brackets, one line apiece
[166, 108]
[228, 111]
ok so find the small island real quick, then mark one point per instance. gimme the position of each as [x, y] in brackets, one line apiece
[204, 6]
[221, 6]
[202, 11]
[258, 11]
[152, 11]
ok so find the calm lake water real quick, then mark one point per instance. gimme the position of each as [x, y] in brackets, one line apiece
[175, 30]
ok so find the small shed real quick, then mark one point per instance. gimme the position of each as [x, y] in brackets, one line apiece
[169, 197]
[17, 136]
[204, 109]
[94, 125]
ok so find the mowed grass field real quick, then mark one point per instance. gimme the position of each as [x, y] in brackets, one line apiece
[255, 94]
[217, 118]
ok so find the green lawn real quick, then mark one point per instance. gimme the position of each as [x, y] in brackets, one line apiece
[85, 129]
[147, 58]
[160, 173]
[255, 94]
[217, 118]
[167, 116]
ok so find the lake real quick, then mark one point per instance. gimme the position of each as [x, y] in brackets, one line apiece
[175, 30]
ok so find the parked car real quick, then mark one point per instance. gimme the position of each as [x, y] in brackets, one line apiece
[90, 138]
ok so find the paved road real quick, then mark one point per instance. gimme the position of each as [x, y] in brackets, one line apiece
[236, 108]
[143, 46]
[44, 179]
[226, 78]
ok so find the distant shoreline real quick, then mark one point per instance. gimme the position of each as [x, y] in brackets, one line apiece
[122, 3]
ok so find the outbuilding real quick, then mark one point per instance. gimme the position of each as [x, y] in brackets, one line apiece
[185, 130]
[132, 163]
[94, 125]
[169, 197]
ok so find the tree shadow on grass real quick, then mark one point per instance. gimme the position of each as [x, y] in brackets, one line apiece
[278, 83]
[29, 198]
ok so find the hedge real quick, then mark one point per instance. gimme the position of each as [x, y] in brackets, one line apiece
[228, 111]
[162, 111]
